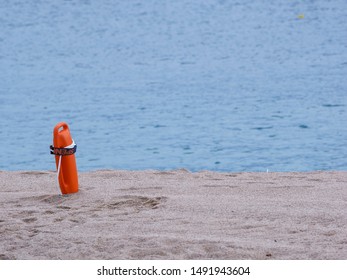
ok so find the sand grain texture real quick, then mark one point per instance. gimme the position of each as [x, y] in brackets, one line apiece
[174, 215]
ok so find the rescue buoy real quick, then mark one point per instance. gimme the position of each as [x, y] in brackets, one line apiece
[64, 149]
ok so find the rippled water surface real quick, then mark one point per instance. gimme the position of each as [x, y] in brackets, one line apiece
[218, 85]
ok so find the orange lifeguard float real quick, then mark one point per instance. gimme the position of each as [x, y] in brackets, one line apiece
[64, 149]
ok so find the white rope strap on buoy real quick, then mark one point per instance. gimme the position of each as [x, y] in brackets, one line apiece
[58, 170]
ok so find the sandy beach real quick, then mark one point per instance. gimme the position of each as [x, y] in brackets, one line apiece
[174, 215]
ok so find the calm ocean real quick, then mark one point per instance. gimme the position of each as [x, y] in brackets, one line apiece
[218, 85]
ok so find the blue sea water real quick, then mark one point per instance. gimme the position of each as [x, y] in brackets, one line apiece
[218, 85]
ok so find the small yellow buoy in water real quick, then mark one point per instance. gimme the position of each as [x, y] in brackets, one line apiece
[301, 16]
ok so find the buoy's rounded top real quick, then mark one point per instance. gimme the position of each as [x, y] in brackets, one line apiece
[61, 135]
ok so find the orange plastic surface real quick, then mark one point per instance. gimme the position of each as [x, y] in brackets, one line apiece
[68, 177]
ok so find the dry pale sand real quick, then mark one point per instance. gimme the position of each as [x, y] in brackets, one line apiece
[174, 215]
